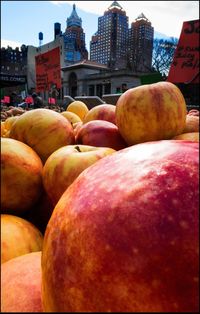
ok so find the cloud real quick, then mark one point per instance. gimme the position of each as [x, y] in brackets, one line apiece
[58, 3]
[11, 43]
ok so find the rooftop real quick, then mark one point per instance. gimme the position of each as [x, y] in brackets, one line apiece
[86, 63]
[74, 19]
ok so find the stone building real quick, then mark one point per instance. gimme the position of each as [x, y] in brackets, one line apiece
[94, 79]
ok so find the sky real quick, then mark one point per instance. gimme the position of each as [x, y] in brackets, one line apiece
[21, 21]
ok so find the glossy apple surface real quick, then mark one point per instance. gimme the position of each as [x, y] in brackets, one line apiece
[124, 237]
[191, 136]
[65, 164]
[192, 124]
[72, 117]
[18, 237]
[100, 133]
[21, 284]
[79, 108]
[101, 112]
[150, 113]
[44, 130]
[21, 176]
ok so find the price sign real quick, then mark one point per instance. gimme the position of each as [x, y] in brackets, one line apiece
[185, 65]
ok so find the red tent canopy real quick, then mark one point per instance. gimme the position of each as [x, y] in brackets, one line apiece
[185, 65]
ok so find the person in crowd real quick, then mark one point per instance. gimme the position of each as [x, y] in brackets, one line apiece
[37, 101]
[13, 99]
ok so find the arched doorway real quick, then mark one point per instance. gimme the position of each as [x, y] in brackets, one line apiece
[73, 84]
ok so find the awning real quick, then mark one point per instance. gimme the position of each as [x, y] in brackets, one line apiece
[185, 65]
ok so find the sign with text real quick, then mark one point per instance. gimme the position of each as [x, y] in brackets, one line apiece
[48, 70]
[185, 65]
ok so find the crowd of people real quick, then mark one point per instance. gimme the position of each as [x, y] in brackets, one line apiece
[16, 108]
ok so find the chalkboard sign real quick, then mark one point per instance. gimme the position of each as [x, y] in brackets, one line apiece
[185, 65]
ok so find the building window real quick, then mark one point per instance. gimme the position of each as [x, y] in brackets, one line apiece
[91, 90]
[99, 90]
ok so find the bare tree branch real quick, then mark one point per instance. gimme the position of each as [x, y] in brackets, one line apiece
[163, 52]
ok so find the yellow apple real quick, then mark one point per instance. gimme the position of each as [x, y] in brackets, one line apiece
[65, 164]
[192, 124]
[71, 116]
[18, 237]
[44, 130]
[151, 113]
[79, 108]
[21, 176]
[192, 136]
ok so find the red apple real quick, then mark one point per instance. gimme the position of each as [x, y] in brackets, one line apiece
[100, 133]
[101, 112]
[65, 164]
[150, 113]
[124, 237]
[21, 284]
[76, 127]
[44, 130]
[18, 237]
[21, 176]
[193, 112]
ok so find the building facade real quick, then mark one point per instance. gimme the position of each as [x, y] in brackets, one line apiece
[88, 78]
[74, 39]
[115, 55]
[117, 45]
[141, 36]
[13, 72]
[109, 44]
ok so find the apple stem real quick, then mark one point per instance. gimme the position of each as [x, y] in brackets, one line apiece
[78, 149]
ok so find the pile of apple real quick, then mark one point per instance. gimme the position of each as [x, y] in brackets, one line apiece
[100, 207]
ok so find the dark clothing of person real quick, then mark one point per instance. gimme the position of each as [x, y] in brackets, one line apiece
[37, 102]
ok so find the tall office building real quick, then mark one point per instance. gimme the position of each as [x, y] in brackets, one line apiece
[74, 39]
[109, 44]
[141, 36]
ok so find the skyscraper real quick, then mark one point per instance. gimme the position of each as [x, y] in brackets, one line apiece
[141, 36]
[74, 39]
[109, 43]
[117, 45]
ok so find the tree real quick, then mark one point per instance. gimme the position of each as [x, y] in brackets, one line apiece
[163, 52]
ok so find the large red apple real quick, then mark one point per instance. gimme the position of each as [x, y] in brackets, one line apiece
[124, 236]
[44, 130]
[18, 237]
[21, 284]
[65, 164]
[151, 112]
[21, 176]
[100, 133]
[101, 112]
